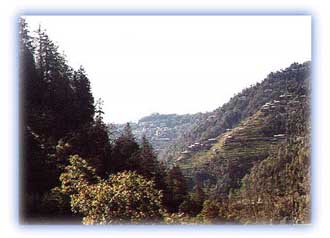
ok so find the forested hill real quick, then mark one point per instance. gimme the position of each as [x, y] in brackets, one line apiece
[292, 80]
[256, 165]
[261, 136]
[171, 134]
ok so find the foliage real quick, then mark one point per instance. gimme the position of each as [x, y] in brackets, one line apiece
[176, 191]
[56, 103]
[278, 189]
[92, 143]
[193, 203]
[210, 211]
[74, 165]
[124, 152]
[77, 175]
[55, 202]
[124, 198]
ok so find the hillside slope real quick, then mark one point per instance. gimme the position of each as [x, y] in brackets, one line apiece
[294, 80]
[236, 151]
[161, 129]
[171, 134]
[221, 162]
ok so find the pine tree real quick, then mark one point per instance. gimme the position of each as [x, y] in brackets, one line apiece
[84, 101]
[49, 113]
[36, 171]
[92, 143]
[30, 84]
[148, 165]
[58, 94]
[125, 152]
[147, 160]
[177, 189]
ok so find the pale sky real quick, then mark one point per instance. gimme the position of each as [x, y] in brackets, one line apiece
[175, 64]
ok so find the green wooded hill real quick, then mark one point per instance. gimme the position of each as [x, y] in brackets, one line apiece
[258, 170]
[233, 153]
[292, 80]
[220, 151]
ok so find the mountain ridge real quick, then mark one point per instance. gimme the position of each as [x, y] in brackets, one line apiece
[171, 134]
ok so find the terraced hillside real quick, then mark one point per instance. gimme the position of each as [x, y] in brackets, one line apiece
[293, 80]
[223, 164]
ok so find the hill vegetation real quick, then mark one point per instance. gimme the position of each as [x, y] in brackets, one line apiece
[260, 163]
[246, 162]
[294, 80]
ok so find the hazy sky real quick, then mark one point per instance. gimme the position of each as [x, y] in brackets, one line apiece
[175, 64]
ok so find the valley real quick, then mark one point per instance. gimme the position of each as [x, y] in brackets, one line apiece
[246, 162]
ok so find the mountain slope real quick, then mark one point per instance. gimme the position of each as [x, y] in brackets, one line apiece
[294, 80]
[220, 163]
[277, 189]
[233, 154]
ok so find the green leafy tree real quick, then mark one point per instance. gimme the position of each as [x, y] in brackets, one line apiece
[124, 198]
[55, 203]
[77, 175]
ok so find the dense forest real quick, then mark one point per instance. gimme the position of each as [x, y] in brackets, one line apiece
[246, 162]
